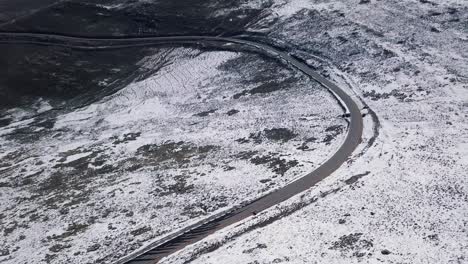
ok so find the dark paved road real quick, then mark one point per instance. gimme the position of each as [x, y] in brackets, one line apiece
[197, 232]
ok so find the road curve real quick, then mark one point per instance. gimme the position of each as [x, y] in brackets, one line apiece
[197, 232]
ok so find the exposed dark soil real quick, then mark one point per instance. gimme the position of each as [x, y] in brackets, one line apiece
[278, 135]
[355, 178]
[304, 146]
[373, 95]
[278, 165]
[63, 74]
[232, 112]
[127, 138]
[246, 155]
[205, 113]
[178, 152]
[5, 122]
[178, 17]
[270, 78]
[258, 246]
[352, 242]
[331, 133]
[11, 9]
[263, 88]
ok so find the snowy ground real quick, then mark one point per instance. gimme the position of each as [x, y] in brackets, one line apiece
[95, 184]
[404, 200]
[204, 133]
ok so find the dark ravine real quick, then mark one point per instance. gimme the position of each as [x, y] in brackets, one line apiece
[198, 231]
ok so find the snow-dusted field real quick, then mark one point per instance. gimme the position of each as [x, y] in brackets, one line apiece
[206, 132]
[212, 129]
[404, 199]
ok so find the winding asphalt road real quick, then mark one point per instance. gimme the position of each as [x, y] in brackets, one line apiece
[194, 233]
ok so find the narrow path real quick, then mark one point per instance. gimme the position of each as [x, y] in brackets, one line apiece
[197, 232]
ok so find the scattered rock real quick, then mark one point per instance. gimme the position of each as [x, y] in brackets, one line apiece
[359, 254]
[278, 165]
[49, 258]
[333, 132]
[351, 242]
[385, 252]
[355, 178]
[140, 231]
[232, 112]
[245, 155]
[93, 247]
[206, 113]
[434, 13]
[452, 10]
[242, 140]
[281, 135]
[45, 123]
[64, 211]
[58, 247]
[258, 246]
[127, 137]
[228, 168]
[261, 89]
[376, 96]
[179, 152]
[4, 252]
[428, 2]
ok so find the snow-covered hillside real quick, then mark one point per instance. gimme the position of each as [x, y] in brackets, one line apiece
[199, 130]
[204, 133]
[403, 200]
